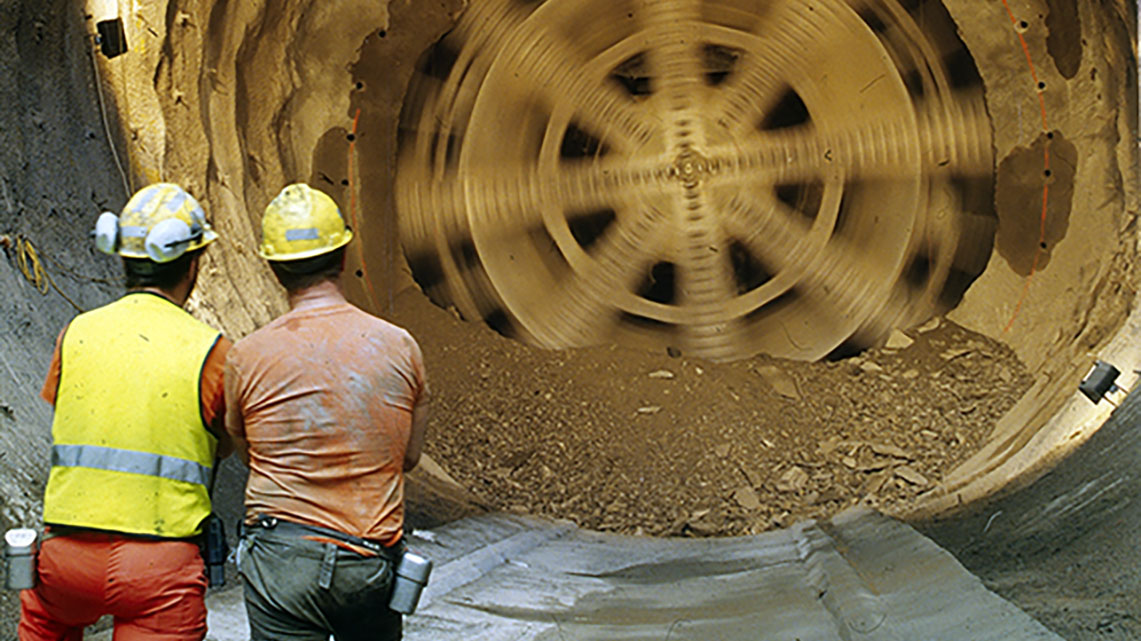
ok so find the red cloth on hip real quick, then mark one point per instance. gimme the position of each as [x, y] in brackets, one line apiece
[154, 589]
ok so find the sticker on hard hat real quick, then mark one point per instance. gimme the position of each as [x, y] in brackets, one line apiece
[309, 233]
[132, 231]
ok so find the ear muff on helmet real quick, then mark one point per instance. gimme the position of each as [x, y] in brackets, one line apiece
[170, 239]
[107, 233]
[161, 222]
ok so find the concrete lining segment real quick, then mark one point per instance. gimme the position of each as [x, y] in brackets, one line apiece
[859, 577]
[1069, 543]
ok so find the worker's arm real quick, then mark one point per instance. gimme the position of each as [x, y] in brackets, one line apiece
[51, 382]
[235, 425]
[419, 428]
[213, 396]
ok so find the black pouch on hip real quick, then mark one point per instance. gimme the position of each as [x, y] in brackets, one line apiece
[215, 550]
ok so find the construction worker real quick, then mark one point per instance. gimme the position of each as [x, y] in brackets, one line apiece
[138, 424]
[327, 405]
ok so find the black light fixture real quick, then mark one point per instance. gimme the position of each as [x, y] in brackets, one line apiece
[1099, 381]
[109, 32]
[112, 39]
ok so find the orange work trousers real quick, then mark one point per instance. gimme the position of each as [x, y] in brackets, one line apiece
[155, 590]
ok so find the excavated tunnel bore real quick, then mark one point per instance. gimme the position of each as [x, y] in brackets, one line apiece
[717, 179]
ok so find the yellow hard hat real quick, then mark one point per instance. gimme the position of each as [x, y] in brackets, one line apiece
[161, 222]
[301, 222]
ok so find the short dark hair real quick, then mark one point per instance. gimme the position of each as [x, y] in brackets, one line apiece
[295, 275]
[143, 272]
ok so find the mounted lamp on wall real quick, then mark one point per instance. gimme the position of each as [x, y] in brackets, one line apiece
[111, 37]
[1099, 381]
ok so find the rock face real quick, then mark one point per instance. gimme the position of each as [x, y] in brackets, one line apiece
[56, 172]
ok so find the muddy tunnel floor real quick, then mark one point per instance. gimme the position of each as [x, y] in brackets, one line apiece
[633, 442]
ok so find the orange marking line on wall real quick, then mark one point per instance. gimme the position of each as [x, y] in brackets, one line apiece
[1045, 170]
[353, 211]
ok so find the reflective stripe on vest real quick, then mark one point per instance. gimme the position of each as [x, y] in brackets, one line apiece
[130, 451]
[108, 458]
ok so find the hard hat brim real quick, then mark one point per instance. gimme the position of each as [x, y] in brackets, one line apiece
[310, 253]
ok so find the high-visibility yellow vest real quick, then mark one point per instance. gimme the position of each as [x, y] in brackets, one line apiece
[130, 449]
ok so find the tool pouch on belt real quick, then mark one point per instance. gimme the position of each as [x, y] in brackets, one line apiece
[214, 550]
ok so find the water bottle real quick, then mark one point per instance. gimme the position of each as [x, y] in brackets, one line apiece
[411, 576]
[20, 559]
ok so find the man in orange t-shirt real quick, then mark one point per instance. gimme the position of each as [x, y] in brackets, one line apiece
[328, 407]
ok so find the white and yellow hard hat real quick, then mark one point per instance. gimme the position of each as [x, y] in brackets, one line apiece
[302, 222]
[161, 222]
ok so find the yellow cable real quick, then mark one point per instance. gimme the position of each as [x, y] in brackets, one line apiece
[28, 259]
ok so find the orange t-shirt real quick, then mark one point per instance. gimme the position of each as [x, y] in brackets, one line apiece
[209, 384]
[326, 396]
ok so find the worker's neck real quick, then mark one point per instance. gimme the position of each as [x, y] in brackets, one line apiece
[323, 294]
[176, 297]
[180, 292]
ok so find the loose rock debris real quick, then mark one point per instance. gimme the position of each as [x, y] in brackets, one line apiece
[640, 442]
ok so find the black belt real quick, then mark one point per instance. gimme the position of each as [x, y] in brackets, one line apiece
[53, 531]
[392, 553]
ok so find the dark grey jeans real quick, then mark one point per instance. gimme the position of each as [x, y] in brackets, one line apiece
[304, 590]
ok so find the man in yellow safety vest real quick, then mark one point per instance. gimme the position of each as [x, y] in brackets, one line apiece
[138, 424]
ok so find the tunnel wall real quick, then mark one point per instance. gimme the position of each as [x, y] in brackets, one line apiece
[1065, 194]
[56, 173]
[1065, 548]
[1060, 287]
[266, 93]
